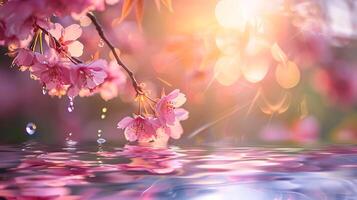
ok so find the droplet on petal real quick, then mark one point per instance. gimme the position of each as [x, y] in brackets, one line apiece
[31, 128]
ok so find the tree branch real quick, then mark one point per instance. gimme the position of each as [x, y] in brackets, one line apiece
[102, 35]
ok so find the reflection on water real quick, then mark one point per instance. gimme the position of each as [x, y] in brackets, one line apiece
[32, 171]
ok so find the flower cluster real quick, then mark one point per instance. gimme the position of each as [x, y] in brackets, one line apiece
[57, 69]
[165, 118]
[18, 18]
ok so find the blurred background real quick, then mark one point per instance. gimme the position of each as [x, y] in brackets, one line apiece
[254, 72]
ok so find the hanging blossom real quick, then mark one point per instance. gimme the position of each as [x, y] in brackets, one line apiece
[19, 17]
[87, 76]
[52, 72]
[166, 118]
[58, 75]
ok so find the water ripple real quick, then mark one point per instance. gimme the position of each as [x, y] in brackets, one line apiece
[33, 171]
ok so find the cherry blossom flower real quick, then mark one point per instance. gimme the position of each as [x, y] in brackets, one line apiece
[168, 110]
[87, 76]
[52, 72]
[17, 19]
[67, 37]
[114, 82]
[138, 128]
[24, 57]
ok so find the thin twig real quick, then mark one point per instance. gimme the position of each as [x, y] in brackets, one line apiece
[102, 35]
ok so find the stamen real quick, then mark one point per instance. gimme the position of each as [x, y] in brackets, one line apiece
[35, 42]
[41, 44]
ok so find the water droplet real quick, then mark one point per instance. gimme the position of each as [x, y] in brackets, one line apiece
[101, 43]
[69, 141]
[31, 128]
[44, 91]
[101, 140]
[104, 110]
[102, 116]
[70, 107]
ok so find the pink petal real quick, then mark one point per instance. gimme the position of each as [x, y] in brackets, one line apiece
[75, 48]
[181, 114]
[56, 31]
[130, 134]
[125, 122]
[73, 92]
[72, 32]
[179, 100]
[173, 94]
[108, 91]
[176, 130]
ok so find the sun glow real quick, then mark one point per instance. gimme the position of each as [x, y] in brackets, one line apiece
[236, 14]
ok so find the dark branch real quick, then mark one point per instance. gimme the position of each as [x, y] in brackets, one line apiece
[117, 58]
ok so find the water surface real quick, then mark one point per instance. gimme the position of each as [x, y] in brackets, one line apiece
[34, 171]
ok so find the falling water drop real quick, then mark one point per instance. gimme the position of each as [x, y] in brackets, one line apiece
[100, 140]
[44, 91]
[104, 110]
[31, 128]
[70, 107]
[101, 43]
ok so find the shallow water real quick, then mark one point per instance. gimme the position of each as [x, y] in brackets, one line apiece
[34, 171]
